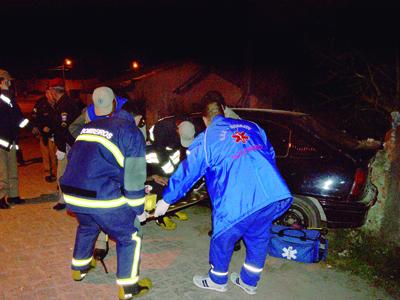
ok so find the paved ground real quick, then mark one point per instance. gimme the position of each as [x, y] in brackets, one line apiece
[36, 245]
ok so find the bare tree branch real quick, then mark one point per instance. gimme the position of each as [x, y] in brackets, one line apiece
[388, 77]
[374, 84]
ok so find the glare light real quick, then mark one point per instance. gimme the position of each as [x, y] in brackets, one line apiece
[135, 65]
[68, 62]
[327, 184]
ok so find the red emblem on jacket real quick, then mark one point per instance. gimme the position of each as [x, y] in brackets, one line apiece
[240, 137]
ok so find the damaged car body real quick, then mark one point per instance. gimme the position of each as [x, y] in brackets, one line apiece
[326, 170]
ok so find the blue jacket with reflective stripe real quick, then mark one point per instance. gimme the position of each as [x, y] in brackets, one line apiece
[95, 169]
[238, 163]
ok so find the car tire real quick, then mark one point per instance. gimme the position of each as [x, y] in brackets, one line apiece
[302, 212]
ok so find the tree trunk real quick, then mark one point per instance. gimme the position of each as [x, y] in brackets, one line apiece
[383, 218]
[390, 229]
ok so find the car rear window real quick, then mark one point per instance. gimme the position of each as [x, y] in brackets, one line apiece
[303, 145]
[328, 134]
[278, 135]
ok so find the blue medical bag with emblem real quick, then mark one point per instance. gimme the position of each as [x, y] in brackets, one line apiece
[303, 245]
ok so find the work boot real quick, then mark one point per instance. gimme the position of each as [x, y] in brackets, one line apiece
[16, 200]
[180, 215]
[78, 275]
[166, 223]
[134, 290]
[3, 203]
[59, 206]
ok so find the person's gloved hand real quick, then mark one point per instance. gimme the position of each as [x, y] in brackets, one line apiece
[161, 208]
[60, 155]
[143, 216]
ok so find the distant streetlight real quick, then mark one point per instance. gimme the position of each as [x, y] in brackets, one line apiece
[67, 65]
[135, 65]
[68, 62]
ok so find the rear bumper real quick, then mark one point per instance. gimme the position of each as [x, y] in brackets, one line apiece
[347, 214]
[352, 213]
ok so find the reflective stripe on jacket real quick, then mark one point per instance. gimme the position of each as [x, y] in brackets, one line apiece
[11, 120]
[94, 178]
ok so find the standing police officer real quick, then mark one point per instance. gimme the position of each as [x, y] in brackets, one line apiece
[41, 121]
[11, 119]
[66, 111]
[103, 185]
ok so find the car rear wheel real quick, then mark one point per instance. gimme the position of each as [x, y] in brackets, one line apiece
[303, 213]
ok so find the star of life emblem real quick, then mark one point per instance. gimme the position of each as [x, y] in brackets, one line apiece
[240, 137]
[289, 253]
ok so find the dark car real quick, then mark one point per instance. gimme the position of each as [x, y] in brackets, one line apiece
[326, 170]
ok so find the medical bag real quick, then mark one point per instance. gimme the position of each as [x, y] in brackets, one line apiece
[303, 245]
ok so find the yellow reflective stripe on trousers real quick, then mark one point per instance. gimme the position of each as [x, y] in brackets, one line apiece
[106, 143]
[81, 262]
[135, 264]
[135, 202]
[82, 202]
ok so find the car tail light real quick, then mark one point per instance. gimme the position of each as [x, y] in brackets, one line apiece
[359, 182]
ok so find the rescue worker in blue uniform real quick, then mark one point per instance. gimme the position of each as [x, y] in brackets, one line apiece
[89, 115]
[246, 189]
[103, 185]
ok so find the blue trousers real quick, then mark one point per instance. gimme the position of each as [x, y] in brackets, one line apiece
[255, 232]
[119, 225]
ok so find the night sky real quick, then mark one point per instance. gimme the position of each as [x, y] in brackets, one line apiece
[104, 36]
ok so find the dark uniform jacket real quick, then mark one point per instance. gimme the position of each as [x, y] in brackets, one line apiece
[166, 142]
[11, 119]
[41, 117]
[66, 111]
[93, 181]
